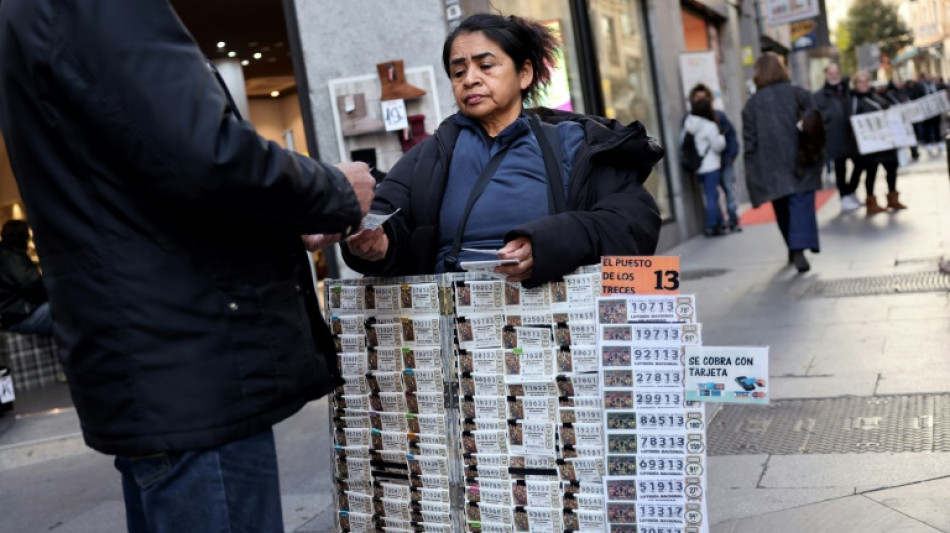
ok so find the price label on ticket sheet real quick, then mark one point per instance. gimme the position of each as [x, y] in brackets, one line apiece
[624, 275]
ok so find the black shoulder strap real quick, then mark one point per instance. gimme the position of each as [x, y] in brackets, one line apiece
[451, 260]
[553, 154]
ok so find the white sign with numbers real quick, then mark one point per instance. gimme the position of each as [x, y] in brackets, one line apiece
[394, 115]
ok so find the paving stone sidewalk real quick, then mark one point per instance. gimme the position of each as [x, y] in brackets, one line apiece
[886, 347]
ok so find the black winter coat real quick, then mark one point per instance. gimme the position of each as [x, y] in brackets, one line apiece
[609, 211]
[21, 286]
[770, 143]
[833, 102]
[168, 230]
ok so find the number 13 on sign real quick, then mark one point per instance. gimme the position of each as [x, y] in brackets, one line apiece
[640, 275]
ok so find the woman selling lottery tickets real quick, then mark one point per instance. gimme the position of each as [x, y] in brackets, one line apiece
[533, 194]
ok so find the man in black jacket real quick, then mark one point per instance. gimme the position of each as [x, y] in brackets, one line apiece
[833, 101]
[169, 235]
[23, 305]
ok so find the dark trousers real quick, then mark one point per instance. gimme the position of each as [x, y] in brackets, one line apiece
[712, 216]
[932, 130]
[795, 215]
[890, 169]
[845, 186]
[39, 322]
[233, 488]
[928, 131]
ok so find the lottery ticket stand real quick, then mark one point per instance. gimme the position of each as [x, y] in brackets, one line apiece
[475, 405]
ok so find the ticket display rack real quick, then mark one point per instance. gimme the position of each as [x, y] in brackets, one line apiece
[475, 405]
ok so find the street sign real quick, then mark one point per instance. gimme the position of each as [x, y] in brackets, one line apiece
[804, 34]
[784, 11]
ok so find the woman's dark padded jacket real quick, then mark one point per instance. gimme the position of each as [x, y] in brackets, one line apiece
[609, 211]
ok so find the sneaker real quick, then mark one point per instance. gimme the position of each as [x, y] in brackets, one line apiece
[850, 203]
[735, 228]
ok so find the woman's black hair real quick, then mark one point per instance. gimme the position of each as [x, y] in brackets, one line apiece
[702, 107]
[15, 234]
[520, 38]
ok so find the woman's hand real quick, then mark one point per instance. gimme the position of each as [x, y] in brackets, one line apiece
[370, 245]
[520, 249]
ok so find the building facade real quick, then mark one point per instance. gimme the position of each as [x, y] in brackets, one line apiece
[929, 22]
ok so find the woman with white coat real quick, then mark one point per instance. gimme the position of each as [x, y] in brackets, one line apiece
[702, 124]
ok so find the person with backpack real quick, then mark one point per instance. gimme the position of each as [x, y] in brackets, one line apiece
[727, 171]
[550, 189]
[772, 125]
[701, 133]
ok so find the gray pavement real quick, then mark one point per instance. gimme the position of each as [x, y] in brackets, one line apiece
[874, 347]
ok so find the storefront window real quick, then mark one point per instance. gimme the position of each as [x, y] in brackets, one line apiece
[627, 78]
[565, 89]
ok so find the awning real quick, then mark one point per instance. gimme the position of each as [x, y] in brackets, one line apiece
[907, 54]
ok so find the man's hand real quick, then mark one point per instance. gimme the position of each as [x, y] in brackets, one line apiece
[519, 249]
[370, 245]
[320, 241]
[363, 183]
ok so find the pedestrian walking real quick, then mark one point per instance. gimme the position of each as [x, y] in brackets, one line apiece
[550, 190]
[833, 102]
[897, 91]
[702, 126]
[909, 90]
[770, 135]
[864, 99]
[928, 130]
[169, 233]
[727, 170]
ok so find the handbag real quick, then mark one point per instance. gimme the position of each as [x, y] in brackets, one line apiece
[811, 133]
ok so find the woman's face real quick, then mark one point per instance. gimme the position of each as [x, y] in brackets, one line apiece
[862, 84]
[485, 81]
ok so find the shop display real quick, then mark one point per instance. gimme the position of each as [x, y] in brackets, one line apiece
[530, 410]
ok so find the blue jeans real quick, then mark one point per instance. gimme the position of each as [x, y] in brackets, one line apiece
[728, 181]
[795, 215]
[38, 323]
[710, 181]
[230, 489]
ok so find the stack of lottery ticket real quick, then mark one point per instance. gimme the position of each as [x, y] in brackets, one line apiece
[655, 441]
[391, 433]
[530, 410]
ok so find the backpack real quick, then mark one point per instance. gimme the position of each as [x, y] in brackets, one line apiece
[690, 157]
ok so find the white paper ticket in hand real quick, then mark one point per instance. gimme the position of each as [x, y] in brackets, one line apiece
[486, 251]
[374, 220]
